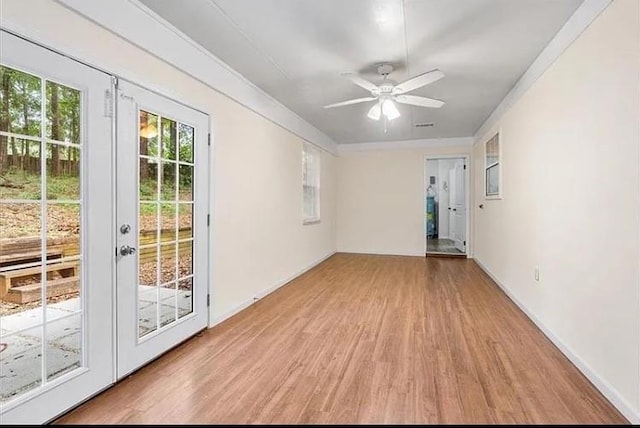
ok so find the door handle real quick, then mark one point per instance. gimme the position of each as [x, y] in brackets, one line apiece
[126, 250]
[455, 209]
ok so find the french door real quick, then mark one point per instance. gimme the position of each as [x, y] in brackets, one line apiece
[56, 240]
[88, 220]
[162, 199]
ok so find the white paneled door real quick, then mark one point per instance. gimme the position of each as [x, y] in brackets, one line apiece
[162, 200]
[458, 205]
[56, 235]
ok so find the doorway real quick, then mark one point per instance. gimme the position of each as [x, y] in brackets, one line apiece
[103, 229]
[446, 206]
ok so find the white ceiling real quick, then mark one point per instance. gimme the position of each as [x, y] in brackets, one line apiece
[295, 50]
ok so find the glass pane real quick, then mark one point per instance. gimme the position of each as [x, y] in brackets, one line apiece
[167, 303]
[186, 221]
[186, 258]
[185, 297]
[148, 223]
[20, 363]
[63, 172]
[20, 173]
[64, 346]
[147, 309]
[492, 151]
[148, 134]
[148, 259]
[493, 184]
[168, 188]
[63, 230]
[20, 111]
[167, 263]
[169, 143]
[168, 221]
[186, 183]
[63, 284]
[148, 179]
[20, 262]
[63, 113]
[148, 291]
[185, 139]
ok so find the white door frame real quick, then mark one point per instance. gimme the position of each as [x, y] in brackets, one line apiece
[467, 182]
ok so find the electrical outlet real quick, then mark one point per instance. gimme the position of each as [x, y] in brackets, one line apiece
[536, 274]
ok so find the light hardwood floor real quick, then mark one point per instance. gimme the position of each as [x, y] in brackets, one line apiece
[364, 339]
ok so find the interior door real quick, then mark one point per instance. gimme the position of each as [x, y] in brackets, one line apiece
[162, 188]
[56, 240]
[458, 205]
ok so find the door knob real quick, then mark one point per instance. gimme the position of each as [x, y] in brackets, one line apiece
[455, 209]
[126, 250]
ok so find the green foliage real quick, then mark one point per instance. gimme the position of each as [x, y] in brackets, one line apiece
[23, 102]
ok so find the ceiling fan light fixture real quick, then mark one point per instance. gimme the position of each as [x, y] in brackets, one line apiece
[390, 110]
[375, 112]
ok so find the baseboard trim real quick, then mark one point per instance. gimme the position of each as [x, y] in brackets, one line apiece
[261, 294]
[602, 385]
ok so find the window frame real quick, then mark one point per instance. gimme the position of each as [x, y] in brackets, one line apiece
[309, 151]
[497, 135]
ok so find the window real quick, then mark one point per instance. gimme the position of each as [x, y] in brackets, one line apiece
[492, 174]
[310, 185]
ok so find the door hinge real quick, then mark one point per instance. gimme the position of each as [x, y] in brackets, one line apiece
[209, 139]
[208, 219]
[465, 167]
[208, 300]
[464, 243]
[108, 103]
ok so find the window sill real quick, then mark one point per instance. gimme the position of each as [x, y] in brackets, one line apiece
[493, 197]
[310, 221]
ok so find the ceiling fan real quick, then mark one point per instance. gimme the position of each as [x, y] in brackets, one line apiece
[388, 93]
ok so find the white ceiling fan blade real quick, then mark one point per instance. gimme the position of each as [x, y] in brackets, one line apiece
[415, 100]
[418, 81]
[361, 82]
[349, 102]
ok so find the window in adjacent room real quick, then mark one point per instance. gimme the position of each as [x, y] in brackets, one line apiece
[492, 168]
[310, 185]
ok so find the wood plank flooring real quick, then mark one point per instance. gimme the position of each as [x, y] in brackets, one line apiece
[364, 339]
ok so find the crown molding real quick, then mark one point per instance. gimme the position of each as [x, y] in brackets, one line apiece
[584, 15]
[406, 144]
[139, 25]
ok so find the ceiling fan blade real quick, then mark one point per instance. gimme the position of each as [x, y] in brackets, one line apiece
[349, 102]
[418, 81]
[414, 100]
[361, 82]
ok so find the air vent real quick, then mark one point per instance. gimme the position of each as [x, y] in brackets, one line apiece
[423, 125]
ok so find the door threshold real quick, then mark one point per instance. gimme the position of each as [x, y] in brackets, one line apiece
[450, 255]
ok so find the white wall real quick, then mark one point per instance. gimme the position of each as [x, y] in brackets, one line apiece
[570, 172]
[258, 237]
[380, 200]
